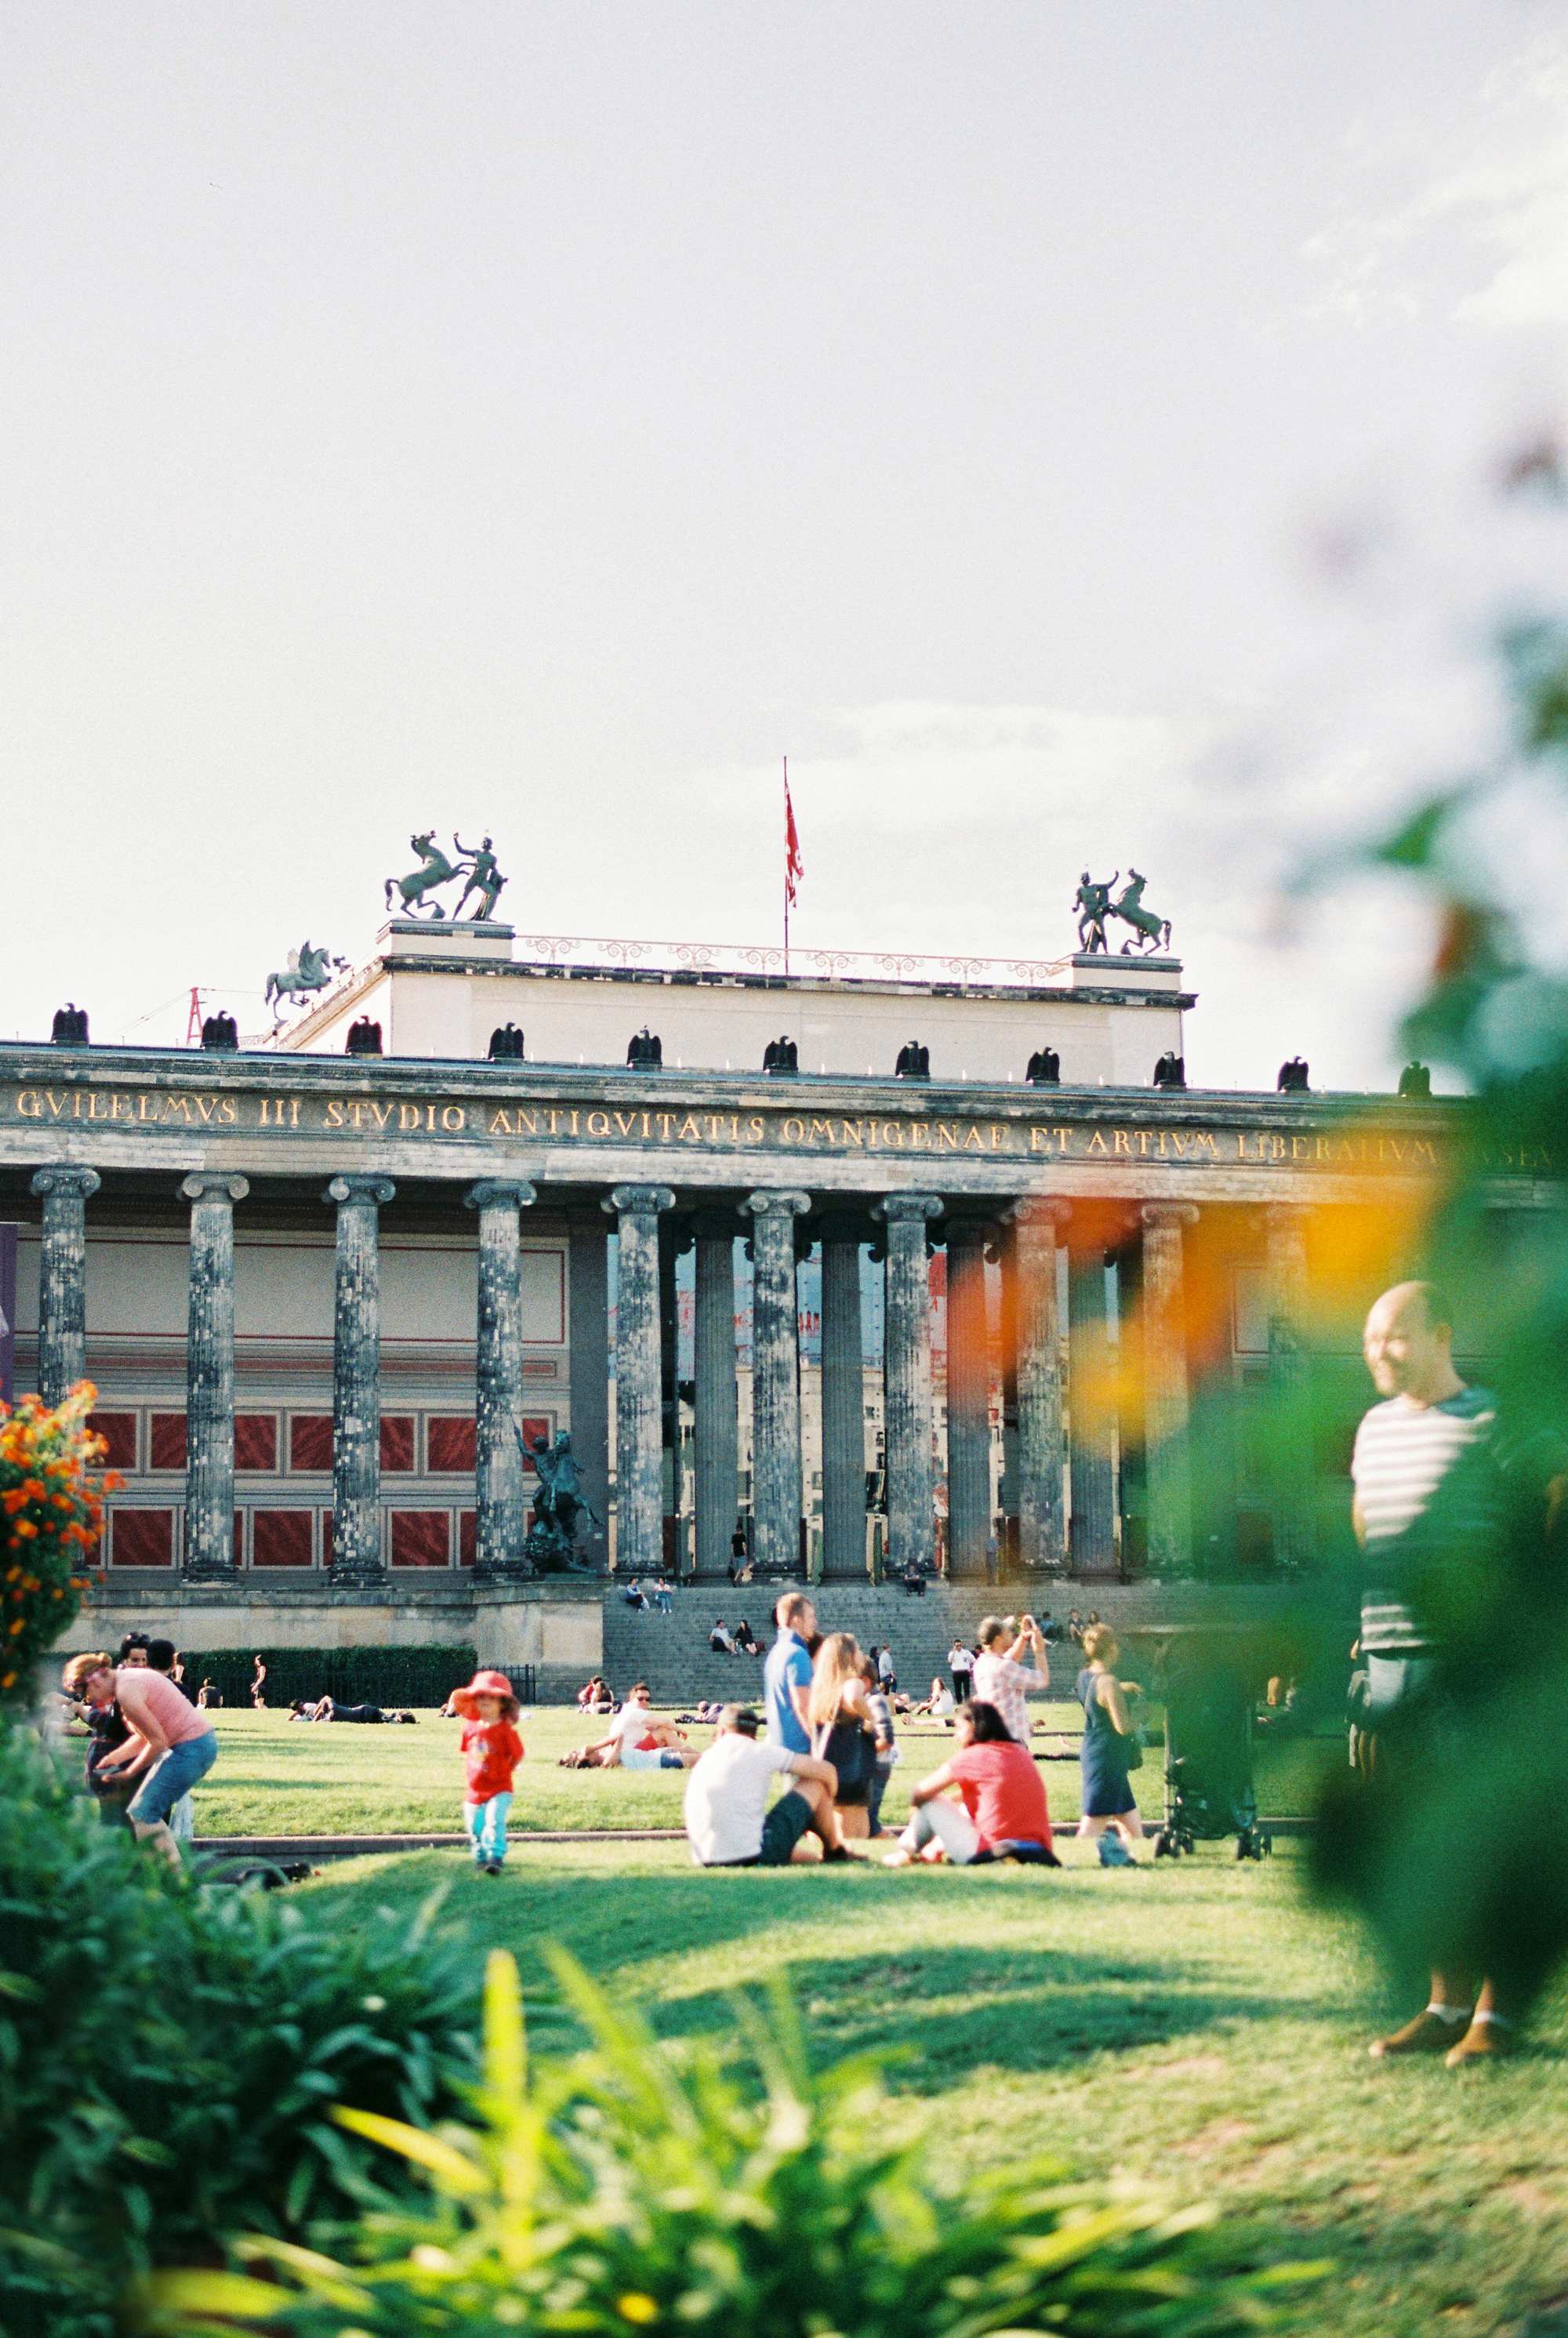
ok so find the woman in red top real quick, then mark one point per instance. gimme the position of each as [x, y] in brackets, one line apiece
[999, 1811]
[492, 1749]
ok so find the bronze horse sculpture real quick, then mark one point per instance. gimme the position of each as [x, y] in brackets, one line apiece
[434, 871]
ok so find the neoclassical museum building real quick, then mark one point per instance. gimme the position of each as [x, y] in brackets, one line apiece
[941, 1286]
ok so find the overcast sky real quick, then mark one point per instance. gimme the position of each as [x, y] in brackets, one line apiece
[1063, 427]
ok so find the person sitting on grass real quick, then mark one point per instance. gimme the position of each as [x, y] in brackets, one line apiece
[638, 1741]
[594, 1696]
[728, 1822]
[491, 1750]
[1000, 1810]
[940, 1705]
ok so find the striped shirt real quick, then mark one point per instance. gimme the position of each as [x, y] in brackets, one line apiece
[1404, 1453]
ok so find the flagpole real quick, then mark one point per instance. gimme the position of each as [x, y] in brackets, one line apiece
[786, 864]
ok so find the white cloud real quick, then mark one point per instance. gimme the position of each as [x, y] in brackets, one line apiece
[1481, 234]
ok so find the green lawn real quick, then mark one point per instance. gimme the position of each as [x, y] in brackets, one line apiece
[277, 1777]
[1197, 2026]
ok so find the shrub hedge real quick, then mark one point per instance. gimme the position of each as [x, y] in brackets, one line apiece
[168, 2055]
[412, 1676]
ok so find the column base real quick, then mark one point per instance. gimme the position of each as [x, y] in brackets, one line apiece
[199, 1571]
[365, 1575]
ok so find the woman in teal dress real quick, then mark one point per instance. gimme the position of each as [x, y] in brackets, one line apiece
[1109, 1731]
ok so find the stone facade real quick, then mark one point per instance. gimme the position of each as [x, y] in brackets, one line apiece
[321, 1295]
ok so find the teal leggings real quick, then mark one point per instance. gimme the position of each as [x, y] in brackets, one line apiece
[486, 1824]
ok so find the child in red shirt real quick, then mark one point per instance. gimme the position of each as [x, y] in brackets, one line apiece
[492, 1749]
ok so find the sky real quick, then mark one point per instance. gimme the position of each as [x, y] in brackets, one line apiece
[1069, 432]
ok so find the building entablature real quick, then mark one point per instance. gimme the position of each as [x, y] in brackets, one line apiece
[306, 1115]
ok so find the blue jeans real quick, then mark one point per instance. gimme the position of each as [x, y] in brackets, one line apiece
[172, 1776]
[486, 1826]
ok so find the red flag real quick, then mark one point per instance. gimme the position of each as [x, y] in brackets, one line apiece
[794, 867]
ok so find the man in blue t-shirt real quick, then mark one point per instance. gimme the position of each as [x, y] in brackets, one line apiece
[786, 1674]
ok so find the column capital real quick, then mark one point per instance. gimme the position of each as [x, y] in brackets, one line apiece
[784, 1203]
[1169, 1214]
[638, 1201]
[895, 1209]
[501, 1193]
[204, 1186]
[64, 1178]
[1038, 1210]
[357, 1188]
[1286, 1215]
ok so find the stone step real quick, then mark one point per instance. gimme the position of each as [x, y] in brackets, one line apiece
[671, 1652]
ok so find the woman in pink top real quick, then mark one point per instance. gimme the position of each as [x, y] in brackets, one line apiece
[171, 1741]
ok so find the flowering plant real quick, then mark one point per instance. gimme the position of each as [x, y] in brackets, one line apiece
[50, 1515]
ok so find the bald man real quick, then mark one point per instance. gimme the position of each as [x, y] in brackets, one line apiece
[1430, 1436]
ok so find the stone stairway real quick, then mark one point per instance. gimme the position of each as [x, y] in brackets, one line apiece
[672, 1652]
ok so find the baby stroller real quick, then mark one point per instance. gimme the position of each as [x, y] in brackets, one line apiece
[1209, 1788]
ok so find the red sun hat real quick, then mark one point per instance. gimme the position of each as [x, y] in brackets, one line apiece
[485, 1684]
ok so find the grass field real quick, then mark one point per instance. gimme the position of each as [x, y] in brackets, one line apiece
[277, 1777]
[1197, 2026]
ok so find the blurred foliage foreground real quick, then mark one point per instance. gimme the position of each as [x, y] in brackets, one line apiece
[611, 2191]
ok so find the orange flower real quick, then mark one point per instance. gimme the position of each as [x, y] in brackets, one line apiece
[113, 1481]
[14, 1500]
[33, 1488]
[23, 1528]
[17, 1624]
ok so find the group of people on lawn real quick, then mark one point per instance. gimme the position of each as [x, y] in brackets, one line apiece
[830, 1738]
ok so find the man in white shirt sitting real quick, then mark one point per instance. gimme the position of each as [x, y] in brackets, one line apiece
[728, 1822]
[637, 1742]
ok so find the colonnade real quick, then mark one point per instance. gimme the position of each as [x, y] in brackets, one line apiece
[1052, 1435]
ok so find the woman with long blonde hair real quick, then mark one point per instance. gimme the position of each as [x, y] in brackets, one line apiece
[842, 1730]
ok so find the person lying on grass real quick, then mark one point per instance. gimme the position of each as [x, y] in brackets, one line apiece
[638, 1741]
[999, 1811]
[728, 1822]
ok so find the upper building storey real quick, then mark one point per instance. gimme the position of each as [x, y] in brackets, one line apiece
[440, 990]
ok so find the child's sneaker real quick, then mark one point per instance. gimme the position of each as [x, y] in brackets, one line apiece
[1113, 1852]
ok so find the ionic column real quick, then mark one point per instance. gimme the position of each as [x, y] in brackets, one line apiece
[1002, 1253]
[588, 1271]
[906, 1377]
[639, 1494]
[1092, 1418]
[498, 1477]
[715, 1439]
[968, 1405]
[1294, 1487]
[1036, 1224]
[843, 1405]
[1167, 1459]
[62, 1279]
[210, 1377]
[357, 1380]
[775, 1381]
